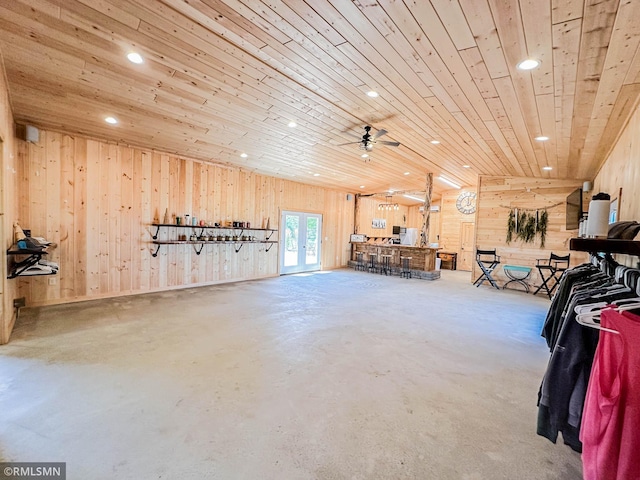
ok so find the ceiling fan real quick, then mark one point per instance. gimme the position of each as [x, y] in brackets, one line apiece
[368, 141]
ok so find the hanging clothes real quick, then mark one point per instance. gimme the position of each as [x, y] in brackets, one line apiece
[563, 390]
[572, 280]
[611, 423]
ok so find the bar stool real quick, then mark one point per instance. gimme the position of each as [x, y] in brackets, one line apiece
[406, 268]
[373, 262]
[360, 261]
[386, 264]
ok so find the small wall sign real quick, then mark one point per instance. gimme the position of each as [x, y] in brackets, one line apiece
[379, 223]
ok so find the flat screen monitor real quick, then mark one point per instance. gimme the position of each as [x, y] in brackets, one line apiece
[574, 209]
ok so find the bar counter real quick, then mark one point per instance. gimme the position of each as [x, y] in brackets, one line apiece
[422, 258]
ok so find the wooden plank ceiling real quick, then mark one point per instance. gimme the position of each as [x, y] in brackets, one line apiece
[221, 78]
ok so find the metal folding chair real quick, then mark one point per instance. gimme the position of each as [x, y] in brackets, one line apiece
[550, 272]
[487, 261]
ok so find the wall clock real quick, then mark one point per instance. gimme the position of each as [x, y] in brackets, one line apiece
[466, 202]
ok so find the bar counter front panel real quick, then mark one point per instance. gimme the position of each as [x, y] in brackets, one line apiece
[422, 258]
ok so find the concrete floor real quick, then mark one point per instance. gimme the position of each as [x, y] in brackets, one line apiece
[338, 375]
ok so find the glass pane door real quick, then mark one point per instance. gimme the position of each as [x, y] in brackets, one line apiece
[301, 240]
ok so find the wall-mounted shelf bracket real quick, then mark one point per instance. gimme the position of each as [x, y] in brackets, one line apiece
[238, 249]
[195, 248]
[269, 247]
[269, 236]
[155, 254]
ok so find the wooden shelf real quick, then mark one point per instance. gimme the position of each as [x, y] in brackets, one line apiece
[238, 244]
[208, 242]
[213, 228]
[605, 245]
[158, 226]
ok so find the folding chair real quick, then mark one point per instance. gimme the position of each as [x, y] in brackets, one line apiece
[487, 261]
[550, 272]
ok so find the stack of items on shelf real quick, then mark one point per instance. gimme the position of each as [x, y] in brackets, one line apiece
[42, 267]
[34, 248]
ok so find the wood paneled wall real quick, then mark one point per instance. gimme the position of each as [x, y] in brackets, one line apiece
[622, 170]
[8, 205]
[451, 221]
[369, 210]
[498, 194]
[406, 216]
[96, 200]
[414, 220]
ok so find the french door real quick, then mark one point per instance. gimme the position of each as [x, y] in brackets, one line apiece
[300, 242]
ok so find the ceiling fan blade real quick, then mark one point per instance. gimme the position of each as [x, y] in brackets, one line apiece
[380, 133]
[391, 144]
[349, 143]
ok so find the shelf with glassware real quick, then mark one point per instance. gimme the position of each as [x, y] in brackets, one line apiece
[206, 235]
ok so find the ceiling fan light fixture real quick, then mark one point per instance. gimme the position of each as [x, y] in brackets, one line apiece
[365, 155]
[451, 183]
[528, 64]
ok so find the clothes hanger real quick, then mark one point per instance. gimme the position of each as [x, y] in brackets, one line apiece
[591, 318]
[590, 322]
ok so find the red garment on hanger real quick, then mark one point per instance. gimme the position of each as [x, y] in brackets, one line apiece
[610, 431]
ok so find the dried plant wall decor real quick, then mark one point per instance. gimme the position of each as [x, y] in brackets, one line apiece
[525, 225]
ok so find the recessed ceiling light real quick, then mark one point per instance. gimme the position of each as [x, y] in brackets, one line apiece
[542, 138]
[292, 124]
[547, 168]
[316, 174]
[407, 173]
[244, 155]
[135, 57]
[528, 64]
[361, 186]
[111, 120]
[365, 155]
[372, 94]
[466, 166]
[435, 142]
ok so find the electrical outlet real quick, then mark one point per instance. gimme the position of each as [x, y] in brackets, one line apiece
[53, 280]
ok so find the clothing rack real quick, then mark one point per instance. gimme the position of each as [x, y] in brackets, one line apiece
[593, 320]
[627, 276]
